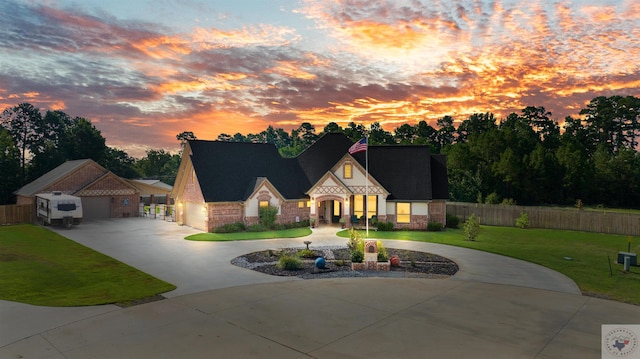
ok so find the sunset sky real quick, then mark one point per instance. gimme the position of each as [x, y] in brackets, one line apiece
[145, 70]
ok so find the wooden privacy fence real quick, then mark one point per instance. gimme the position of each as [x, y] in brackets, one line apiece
[16, 213]
[550, 218]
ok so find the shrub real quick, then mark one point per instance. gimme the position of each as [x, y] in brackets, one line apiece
[508, 202]
[383, 255]
[289, 262]
[256, 228]
[434, 226]
[452, 221]
[355, 242]
[268, 216]
[472, 227]
[522, 221]
[492, 198]
[307, 253]
[357, 256]
[230, 228]
[385, 226]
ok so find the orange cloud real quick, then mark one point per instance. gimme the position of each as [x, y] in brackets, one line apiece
[266, 35]
[291, 69]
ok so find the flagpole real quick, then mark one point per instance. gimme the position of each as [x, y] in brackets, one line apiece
[366, 186]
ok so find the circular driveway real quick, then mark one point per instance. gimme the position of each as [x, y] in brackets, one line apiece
[493, 307]
[159, 248]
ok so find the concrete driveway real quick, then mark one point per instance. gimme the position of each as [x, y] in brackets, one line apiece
[495, 307]
[159, 248]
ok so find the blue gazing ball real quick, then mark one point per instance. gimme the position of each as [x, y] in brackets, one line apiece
[320, 263]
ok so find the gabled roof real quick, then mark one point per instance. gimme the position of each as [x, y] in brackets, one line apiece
[230, 171]
[226, 170]
[109, 184]
[53, 176]
[405, 171]
[262, 182]
[153, 183]
[151, 187]
[330, 176]
[318, 158]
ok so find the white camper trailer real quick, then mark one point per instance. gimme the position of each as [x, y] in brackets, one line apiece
[58, 208]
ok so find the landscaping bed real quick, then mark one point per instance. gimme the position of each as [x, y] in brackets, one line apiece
[338, 264]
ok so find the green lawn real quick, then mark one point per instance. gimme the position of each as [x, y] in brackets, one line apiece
[40, 267]
[588, 267]
[243, 236]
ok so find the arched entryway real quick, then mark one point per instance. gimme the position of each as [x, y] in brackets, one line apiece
[329, 209]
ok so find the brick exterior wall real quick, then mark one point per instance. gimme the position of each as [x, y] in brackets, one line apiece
[124, 198]
[437, 213]
[289, 211]
[220, 214]
[79, 179]
[125, 206]
[191, 192]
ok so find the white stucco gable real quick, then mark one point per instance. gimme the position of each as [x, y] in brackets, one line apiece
[358, 182]
[263, 191]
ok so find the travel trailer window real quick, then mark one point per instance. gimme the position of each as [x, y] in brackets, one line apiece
[66, 207]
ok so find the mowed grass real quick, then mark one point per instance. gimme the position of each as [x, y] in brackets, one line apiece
[590, 254]
[244, 236]
[40, 267]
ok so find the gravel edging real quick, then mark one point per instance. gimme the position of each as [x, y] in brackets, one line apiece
[413, 264]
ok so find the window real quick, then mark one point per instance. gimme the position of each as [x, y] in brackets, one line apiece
[264, 204]
[403, 212]
[358, 205]
[308, 204]
[348, 170]
[336, 208]
[372, 206]
[300, 204]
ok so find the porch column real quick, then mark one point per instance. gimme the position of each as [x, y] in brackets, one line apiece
[313, 209]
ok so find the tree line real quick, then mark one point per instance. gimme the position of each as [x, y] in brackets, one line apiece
[32, 143]
[524, 158]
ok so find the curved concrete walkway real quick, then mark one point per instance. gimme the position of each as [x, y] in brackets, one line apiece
[494, 307]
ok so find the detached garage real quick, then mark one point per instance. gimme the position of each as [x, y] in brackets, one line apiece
[103, 194]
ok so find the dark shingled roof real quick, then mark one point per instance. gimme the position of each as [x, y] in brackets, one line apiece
[227, 171]
[439, 177]
[405, 171]
[323, 154]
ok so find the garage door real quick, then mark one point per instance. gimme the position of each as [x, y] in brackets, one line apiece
[195, 216]
[96, 207]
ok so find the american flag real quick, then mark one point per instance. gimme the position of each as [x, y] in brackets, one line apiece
[358, 146]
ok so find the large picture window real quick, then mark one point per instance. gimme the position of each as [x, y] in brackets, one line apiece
[403, 212]
[359, 206]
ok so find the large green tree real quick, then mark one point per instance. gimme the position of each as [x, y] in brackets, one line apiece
[9, 167]
[25, 124]
[159, 164]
